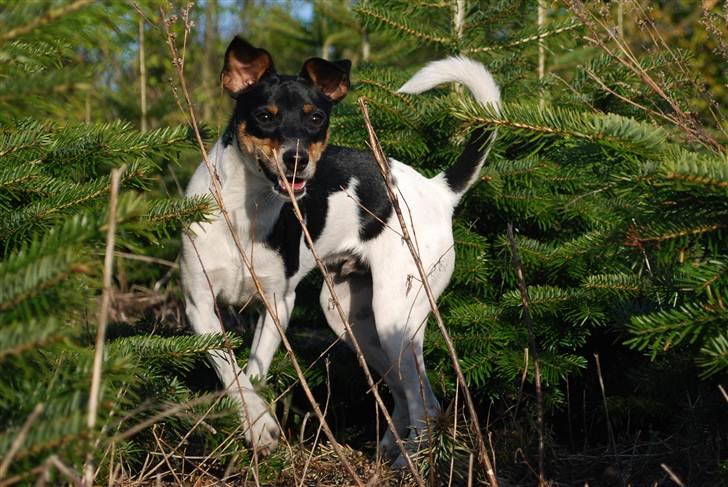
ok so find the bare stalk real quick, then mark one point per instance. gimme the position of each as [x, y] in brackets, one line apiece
[526, 303]
[541, 49]
[328, 282]
[672, 475]
[384, 169]
[247, 262]
[56, 462]
[610, 430]
[142, 77]
[93, 402]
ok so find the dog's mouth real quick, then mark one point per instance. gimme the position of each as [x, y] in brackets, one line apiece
[295, 181]
[297, 184]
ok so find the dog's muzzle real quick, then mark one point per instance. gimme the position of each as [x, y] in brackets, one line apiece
[296, 180]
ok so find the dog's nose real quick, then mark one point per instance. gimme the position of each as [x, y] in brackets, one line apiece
[295, 159]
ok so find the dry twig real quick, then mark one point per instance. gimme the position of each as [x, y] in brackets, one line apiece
[247, 262]
[50, 16]
[19, 439]
[88, 478]
[384, 169]
[533, 346]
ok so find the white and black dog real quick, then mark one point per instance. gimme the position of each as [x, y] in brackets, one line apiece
[282, 121]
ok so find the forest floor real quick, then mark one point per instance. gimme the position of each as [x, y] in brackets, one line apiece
[305, 458]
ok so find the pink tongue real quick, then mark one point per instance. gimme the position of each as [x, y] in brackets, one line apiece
[298, 184]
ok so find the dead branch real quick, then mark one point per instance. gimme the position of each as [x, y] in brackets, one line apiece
[384, 169]
[533, 346]
[88, 478]
[247, 262]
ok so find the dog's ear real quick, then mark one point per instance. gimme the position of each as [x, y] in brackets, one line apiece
[244, 66]
[332, 78]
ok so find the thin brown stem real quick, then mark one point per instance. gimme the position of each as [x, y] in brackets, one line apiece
[533, 346]
[247, 262]
[165, 455]
[142, 78]
[610, 430]
[384, 169]
[102, 320]
[47, 18]
[19, 439]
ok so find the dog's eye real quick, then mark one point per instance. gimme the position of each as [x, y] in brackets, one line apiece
[317, 118]
[264, 116]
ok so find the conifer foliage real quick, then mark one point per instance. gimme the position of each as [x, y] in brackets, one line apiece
[54, 192]
[621, 212]
[617, 189]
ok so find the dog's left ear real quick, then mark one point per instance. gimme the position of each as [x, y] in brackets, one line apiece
[331, 77]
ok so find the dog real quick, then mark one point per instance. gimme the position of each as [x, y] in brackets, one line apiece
[282, 122]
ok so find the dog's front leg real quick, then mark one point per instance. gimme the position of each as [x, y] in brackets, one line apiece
[261, 429]
[267, 338]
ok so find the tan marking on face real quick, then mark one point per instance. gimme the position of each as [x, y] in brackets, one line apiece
[308, 108]
[315, 150]
[265, 148]
[273, 109]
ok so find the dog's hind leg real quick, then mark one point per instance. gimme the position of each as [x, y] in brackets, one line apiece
[401, 308]
[355, 296]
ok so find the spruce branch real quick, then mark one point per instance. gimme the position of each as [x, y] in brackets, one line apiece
[537, 37]
[623, 54]
[404, 27]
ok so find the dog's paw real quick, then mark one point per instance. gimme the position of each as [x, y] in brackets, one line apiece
[264, 432]
[399, 463]
[388, 447]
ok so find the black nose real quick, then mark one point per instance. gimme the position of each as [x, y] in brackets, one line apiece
[295, 159]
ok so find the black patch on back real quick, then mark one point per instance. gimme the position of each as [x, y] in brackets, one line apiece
[459, 174]
[336, 169]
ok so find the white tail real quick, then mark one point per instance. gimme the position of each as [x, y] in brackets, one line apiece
[461, 175]
[472, 74]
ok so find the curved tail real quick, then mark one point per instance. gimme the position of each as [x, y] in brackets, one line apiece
[461, 175]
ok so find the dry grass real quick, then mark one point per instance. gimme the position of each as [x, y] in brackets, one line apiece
[323, 469]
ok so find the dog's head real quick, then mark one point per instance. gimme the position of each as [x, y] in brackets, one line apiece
[282, 120]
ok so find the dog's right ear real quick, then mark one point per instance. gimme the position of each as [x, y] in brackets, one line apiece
[244, 66]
